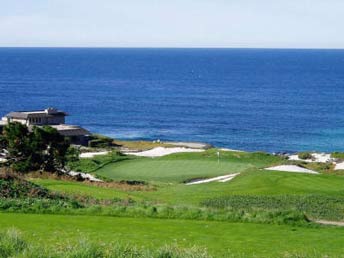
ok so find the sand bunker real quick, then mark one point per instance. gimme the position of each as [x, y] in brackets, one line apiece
[221, 179]
[339, 166]
[162, 151]
[292, 168]
[316, 157]
[88, 155]
[230, 150]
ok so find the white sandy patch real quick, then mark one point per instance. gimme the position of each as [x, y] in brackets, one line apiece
[292, 168]
[87, 155]
[84, 176]
[162, 151]
[221, 179]
[229, 150]
[339, 166]
[194, 145]
[317, 157]
[333, 223]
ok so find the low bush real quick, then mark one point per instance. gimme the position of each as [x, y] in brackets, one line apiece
[12, 186]
[315, 206]
[100, 141]
[338, 155]
[133, 182]
[35, 205]
[11, 243]
[128, 209]
[305, 155]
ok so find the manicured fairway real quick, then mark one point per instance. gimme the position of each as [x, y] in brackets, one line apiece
[219, 237]
[250, 183]
[180, 167]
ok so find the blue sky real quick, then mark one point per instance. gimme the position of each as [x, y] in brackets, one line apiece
[173, 23]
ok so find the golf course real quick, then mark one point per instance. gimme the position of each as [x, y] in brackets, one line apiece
[146, 203]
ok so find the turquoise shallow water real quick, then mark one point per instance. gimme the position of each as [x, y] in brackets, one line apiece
[270, 100]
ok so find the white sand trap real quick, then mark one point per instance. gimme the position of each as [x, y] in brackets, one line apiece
[339, 166]
[221, 179]
[88, 155]
[162, 151]
[316, 157]
[230, 150]
[292, 168]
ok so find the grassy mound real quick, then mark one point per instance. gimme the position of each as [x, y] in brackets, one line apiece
[20, 195]
[12, 186]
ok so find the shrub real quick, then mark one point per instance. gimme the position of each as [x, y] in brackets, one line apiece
[315, 206]
[12, 186]
[176, 252]
[11, 243]
[32, 205]
[305, 155]
[84, 249]
[338, 155]
[100, 141]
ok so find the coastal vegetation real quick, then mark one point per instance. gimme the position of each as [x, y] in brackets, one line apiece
[143, 203]
[305, 155]
[100, 141]
[338, 155]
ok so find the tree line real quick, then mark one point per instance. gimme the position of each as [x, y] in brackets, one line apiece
[37, 148]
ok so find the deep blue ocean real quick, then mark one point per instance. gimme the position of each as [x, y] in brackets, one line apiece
[249, 99]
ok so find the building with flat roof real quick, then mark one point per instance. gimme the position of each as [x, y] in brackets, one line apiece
[51, 117]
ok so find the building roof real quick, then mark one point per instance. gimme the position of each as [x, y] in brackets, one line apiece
[49, 112]
[70, 130]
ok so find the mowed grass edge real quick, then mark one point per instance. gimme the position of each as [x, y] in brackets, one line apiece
[220, 238]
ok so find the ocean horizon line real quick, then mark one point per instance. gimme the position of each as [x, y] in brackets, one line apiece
[171, 48]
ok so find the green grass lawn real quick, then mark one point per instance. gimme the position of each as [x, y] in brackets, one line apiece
[81, 189]
[252, 183]
[183, 166]
[249, 183]
[220, 238]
